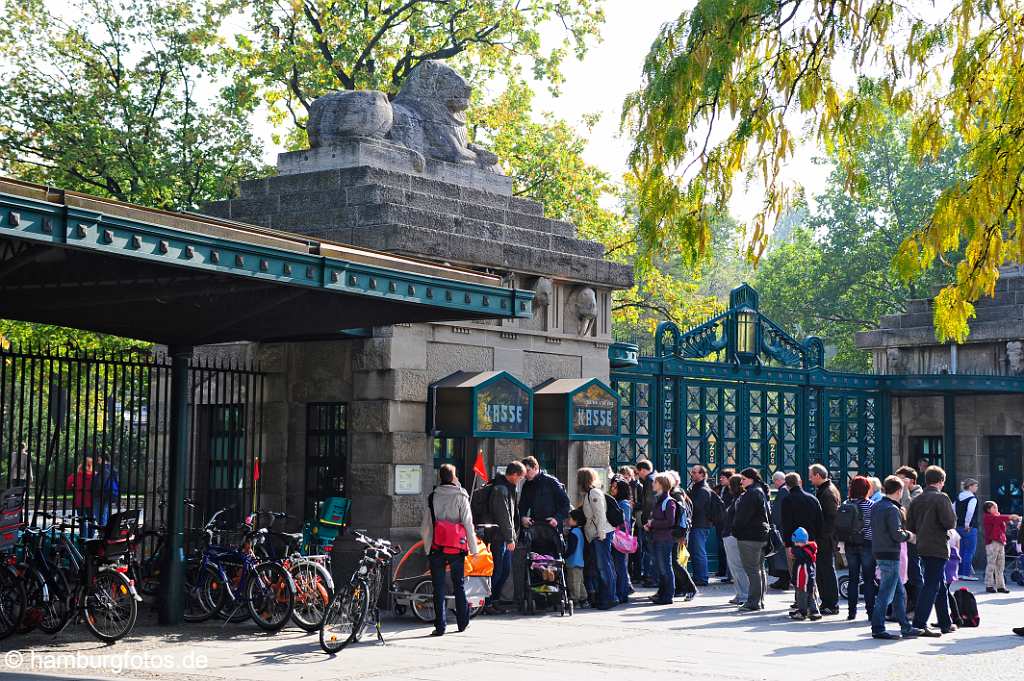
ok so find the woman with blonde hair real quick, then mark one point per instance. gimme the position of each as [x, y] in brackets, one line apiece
[598, 532]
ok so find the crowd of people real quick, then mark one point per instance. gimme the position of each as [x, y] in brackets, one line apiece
[904, 543]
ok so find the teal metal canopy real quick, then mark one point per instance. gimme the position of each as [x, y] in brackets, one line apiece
[576, 409]
[81, 261]
[481, 404]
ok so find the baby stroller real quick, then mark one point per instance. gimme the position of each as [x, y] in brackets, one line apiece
[413, 589]
[1014, 554]
[544, 583]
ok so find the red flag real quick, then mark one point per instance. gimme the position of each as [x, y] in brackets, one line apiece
[479, 468]
[255, 470]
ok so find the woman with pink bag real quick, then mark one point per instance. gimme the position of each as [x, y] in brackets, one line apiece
[623, 541]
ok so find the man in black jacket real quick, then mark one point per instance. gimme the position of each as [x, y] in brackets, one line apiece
[799, 509]
[543, 499]
[828, 497]
[644, 508]
[779, 563]
[700, 529]
[504, 514]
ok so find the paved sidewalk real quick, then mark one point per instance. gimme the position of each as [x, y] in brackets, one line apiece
[703, 639]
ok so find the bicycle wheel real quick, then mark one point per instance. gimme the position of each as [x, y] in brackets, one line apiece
[35, 597]
[312, 594]
[270, 595]
[423, 601]
[150, 562]
[110, 607]
[12, 602]
[233, 609]
[204, 592]
[57, 612]
[343, 615]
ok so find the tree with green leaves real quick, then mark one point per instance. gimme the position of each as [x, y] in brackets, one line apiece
[119, 98]
[833, 275]
[727, 85]
[297, 51]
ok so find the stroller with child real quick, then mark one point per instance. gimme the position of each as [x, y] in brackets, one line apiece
[545, 585]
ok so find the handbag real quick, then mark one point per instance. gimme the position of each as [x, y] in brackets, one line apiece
[449, 536]
[775, 544]
[623, 541]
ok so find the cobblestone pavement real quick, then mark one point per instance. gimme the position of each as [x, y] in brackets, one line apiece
[703, 639]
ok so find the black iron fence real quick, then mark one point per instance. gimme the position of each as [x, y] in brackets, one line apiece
[87, 433]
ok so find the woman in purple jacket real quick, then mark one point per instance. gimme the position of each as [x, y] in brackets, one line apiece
[663, 519]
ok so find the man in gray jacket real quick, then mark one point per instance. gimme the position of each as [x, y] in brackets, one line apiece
[888, 534]
[448, 503]
[931, 517]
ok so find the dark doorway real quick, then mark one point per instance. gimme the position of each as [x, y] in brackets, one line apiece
[927, 447]
[326, 454]
[1005, 470]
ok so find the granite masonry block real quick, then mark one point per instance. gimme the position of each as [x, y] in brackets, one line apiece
[217, 209]
[366, 175]
[414, 240]
[432, 202]
[309, 221]
[390, 213]
[536, 223]
[367, 479]
[526, 237]
[588, 249]
[407, 511]
[484, 212]
[563, 228]
[480, 197]
[326, 199]
[247, 188]
[469, 250]
[477, 229]
[324, 180]
[520, 205]
[435, 187]
[254, 207]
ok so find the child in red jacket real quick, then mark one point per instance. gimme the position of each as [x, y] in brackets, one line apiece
[994, 525]
[805, 552]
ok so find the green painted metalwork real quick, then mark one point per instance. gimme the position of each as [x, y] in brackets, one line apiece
[263, 257]
[738, 391]
[622, 355]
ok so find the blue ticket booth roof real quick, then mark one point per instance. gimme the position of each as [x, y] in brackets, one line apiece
[481, 404]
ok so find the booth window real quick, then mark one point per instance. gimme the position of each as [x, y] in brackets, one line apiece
[326, 453]
[927, 447]
[544, 452]
[449, 450]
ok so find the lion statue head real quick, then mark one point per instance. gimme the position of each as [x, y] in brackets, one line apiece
[429, 116]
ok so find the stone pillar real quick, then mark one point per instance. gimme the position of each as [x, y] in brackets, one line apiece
[388, 426]
[280, 462]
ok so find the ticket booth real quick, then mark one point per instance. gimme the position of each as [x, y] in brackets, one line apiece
[568, 412]
[467, 411]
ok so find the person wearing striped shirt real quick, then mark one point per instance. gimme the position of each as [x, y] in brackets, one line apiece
[858, 552]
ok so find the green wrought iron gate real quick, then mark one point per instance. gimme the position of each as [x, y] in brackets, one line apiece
[738, 391]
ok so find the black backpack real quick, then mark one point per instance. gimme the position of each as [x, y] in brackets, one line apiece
[849, 524]
[480, 505]
[967, 608]
[612, 512]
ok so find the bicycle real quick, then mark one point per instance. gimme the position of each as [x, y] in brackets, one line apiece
[314, 586]
[13, 599]
[354, 608]
[146, 569]
[224, 578]
[98, 591]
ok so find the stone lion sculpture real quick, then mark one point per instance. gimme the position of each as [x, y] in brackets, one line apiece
[585, 305]
[428, 116]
